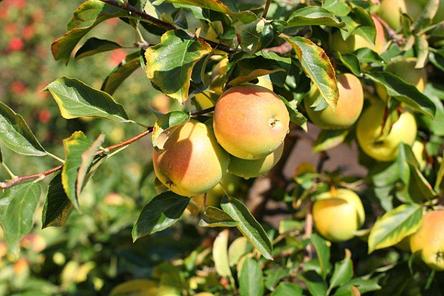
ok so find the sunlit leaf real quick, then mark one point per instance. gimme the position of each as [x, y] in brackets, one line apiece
[220, 254]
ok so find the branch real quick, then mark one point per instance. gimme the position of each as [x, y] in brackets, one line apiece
[266, 7]
[22, 179]
[161, 24]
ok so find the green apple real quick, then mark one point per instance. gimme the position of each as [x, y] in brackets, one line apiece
[348, 108]
[391, 10]
[380, 141]
[337, 214]
[256, 167]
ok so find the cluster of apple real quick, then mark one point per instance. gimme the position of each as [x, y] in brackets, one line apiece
[244, 137]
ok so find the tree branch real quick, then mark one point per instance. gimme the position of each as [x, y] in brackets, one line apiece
[266, 7]
[22, 179]
[163, 25]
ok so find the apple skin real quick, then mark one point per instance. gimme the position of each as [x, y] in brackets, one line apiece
[256, 167]
[374, 142]
[250, 121]
[348, 108]
[390, 11]
[404, 68]
[190, 161]
[355, 42]
[428, 241]
[338, 214]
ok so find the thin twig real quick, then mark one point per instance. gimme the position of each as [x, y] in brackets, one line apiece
[266, 7]
[22, 179]
[161, 24]
[202, 112]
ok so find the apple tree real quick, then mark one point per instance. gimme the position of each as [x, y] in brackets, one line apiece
[246, 82]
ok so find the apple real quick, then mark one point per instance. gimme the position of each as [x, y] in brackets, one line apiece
[255, 167]
[250, 121]
[337, 214]
[348, 108]
[428, 241]
[355, 41]
[380, 141]
[190, 161]
[405, 69]
[390, 11]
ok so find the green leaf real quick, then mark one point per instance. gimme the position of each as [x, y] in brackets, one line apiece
[130, 64]
[255, 35]
[57, 205]
[351, 62]
[94, 45]
[16, 135]
[274, 275]
[76, 99]
[394, 226]
[337, 7]
[216, 5]
[314, 283]
[74, 147]
[86, 161]
[248, 225]
[328, 139]
[404, 92]
[238, 248]
[251, 280]
[214, 217]
[160, 213]
[296, 117]
[317, 66]
[343, 271]
[171, 119]
[19, 215]
[89, 14]
[287, 289]
[220, 254]
[170, 63]
[313, 16]
[323, 253]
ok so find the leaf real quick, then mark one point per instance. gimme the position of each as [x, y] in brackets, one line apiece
[130, 64]
[313, 16]
[216, 5]
[328, 139]
[248, 225]
[214, 217]
[220, 254]
[16, 135]
[323, 253]
[74, 147]
[404, 92]
[89, 14]
[94, 45]
[296, 117]
[238, 248]
[314, 283]
[343, 271]
[274, 275]
[172, 118]
[255, 35]
[160, 213]
[394, 226]
[170, 63]
[57, 205]
[87, 158]
[251, 280]
[19, 215]
[422, 47]
[351, 62]
[138, 287]
[317, 66]
[287, 289]
[76, 99]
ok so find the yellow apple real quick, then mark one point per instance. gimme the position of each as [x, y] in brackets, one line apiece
[190, 161]
[348, 108]
[428, 241]
[380, 141]
[337, 214]
[390, 11]
[250, 121]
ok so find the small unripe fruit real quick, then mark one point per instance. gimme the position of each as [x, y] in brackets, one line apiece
[391, 10]
[355, 42]
[405, 69]
[428, 241]
[256, 167]
[190, 161]
[348, 108]
[250, 121]
[338, 214]
[381, 140]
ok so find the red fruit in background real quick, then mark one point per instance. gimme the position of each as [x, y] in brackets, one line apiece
[17, 3]
[16, 44]
[44, 116]
[116, 57]
[10, 29]
[17, 87]
[28, 32]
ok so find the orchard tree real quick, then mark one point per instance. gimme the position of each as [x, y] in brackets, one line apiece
[250, 79]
